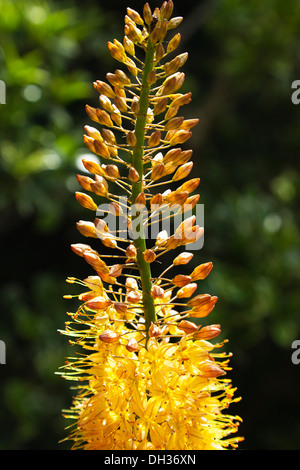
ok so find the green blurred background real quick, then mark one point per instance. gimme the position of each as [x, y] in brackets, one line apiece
[243, 58]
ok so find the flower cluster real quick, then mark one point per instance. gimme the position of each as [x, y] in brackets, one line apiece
[150, 377]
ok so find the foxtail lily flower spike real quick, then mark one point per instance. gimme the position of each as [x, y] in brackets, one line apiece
[148, 377]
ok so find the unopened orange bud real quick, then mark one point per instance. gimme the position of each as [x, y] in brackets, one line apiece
[157, 172]
[101, 149]
[160, 106]
[85, 182]
[189, 236]
[210, 369]
[159, 52]
[92, 132]
[201, 271]
[181, 280]
[87, 229]
[208, 332]
[166, 9]
[131, 283]
[133, 33]
[104, 89]
[99, 188]
[154, 331]
[108, 136]
[115, 208]
[116, 270]
[141, 199]
[184, 226]
[120, 307]
[86, 201]
[101, 225]
[180, 136]
[151, 78]
[133, 175]
[149, 256]
[174, 43]
[147, 14]
[183, 171]
[134, 297]
[89, 142]
[131, 251]
[92, 166]
[172, 66]
[169, 168]
[172, 84]
[175, 22]
[183, 258]
[131, 139]
[189, 123]
[134, 16]
[182, 99]
[154, 139]
[98, 264]
[187, 326]
[135, 106]
[191, 202]
[190, 185]
[157, 292]
[105, 276]
[161, 238]
[129, 46]
[103, 117]
[111, 171]
[192, 234]
[113, 80]
[110, 242]
[184, 157]
[187, 291]
[117, 51]
[122, 77]
[116, 116]
[105, 103]
[132, 345]
[163, 30]
[172, 111]
[202, 307]
[131, 66]
[156, 200]
[172, 243]
[177, 197]
[109, 336]
[91, 112]
[171, 155]
[174, 123]
[120, 103]
[98, 303]
[80, 248]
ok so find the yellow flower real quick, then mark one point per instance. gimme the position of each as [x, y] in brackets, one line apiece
[148, 378]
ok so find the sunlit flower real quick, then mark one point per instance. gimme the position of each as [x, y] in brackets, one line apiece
[148, 377]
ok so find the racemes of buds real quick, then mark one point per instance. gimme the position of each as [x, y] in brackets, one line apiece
[152, 379]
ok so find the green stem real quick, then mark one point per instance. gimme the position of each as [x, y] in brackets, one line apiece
[137, 188]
